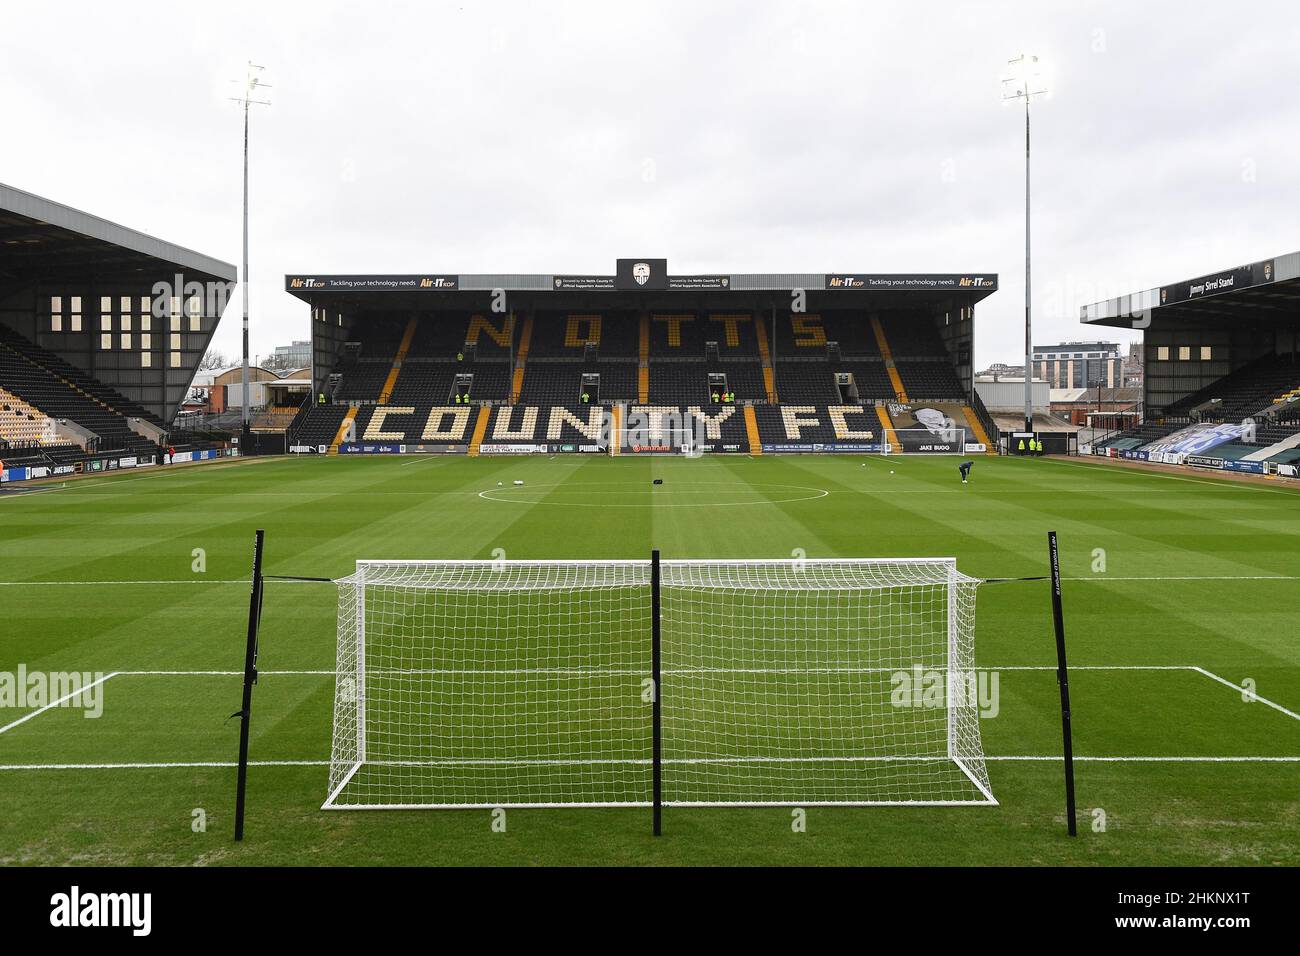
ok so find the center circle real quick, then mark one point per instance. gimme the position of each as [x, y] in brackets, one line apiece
[655, 496]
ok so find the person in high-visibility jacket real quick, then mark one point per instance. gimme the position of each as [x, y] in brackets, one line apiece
[1021, 447]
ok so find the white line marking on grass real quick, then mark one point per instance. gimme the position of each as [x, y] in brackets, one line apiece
[89, 482]
[631, 672]
[223, 673]
[1009, 758]
[1102, 578]
[1239, 689]
[421, 459]
[166, 765]
[487, 495]
[55, 703]
[83, 584]
[1220, 483]
[1058, 757]
[1092, 579]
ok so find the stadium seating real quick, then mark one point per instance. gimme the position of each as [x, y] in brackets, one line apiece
[318, 425]
[60, 398]
[566, 334]
[20, 423]
[802, 424]
[673, 360]
[74, 376]
[929, 380]
[1140, 435]
[1245, 392]
[807, 335]
[808, 382]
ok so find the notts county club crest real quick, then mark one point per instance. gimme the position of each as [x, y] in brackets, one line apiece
[641, 272]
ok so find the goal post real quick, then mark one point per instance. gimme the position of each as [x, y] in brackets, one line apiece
[669, 441]
[781, 682]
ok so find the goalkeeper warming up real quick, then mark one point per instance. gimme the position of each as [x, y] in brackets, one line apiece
[965, 468]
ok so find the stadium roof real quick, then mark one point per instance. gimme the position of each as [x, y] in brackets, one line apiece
[1265, 290]
[641, 276]
[41, 239]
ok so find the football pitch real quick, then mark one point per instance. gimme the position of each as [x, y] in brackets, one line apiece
[1181, 595]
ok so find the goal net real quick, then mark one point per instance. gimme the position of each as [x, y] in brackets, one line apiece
[530, 684]
[669, 441]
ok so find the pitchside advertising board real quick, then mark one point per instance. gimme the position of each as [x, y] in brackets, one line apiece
[116, 463]
[845, 448]
[387, 448]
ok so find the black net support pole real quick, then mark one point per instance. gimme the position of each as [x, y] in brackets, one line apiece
[656, 727]
[250, 678]
[1063, 679]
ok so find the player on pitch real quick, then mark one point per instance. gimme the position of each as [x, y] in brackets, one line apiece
[965, 468]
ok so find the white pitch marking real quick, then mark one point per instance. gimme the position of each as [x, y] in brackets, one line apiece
[83, 584]
[1093, 579]
[1239, 689]
[218, 764]
[291, 673]
[818, 493]
[1220, 483]
[55, 703]
[1154, 759]
[168, 765]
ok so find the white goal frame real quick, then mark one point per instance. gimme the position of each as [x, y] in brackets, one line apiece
[350, 751]
[679, 441]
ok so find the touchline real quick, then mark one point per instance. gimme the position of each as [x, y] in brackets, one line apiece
[74, 909]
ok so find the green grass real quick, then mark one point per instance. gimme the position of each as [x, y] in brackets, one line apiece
[1200, 577]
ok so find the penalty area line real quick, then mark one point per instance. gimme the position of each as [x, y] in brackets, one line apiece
[1254, 698]
[55, 703]
[84, 584]
[1005, 758]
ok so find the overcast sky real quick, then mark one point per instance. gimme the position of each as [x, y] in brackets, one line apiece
[725, 136]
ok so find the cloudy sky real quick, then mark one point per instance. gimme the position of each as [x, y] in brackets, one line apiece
[726, 136]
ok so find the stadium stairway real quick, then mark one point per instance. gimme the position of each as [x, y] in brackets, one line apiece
[525, 339]
[751, 431]
[341, 435]
[977, 429]
[888, 356]
[481, 423]
[386, 392]
[643, 368]
[887, 426]
[765, 355]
